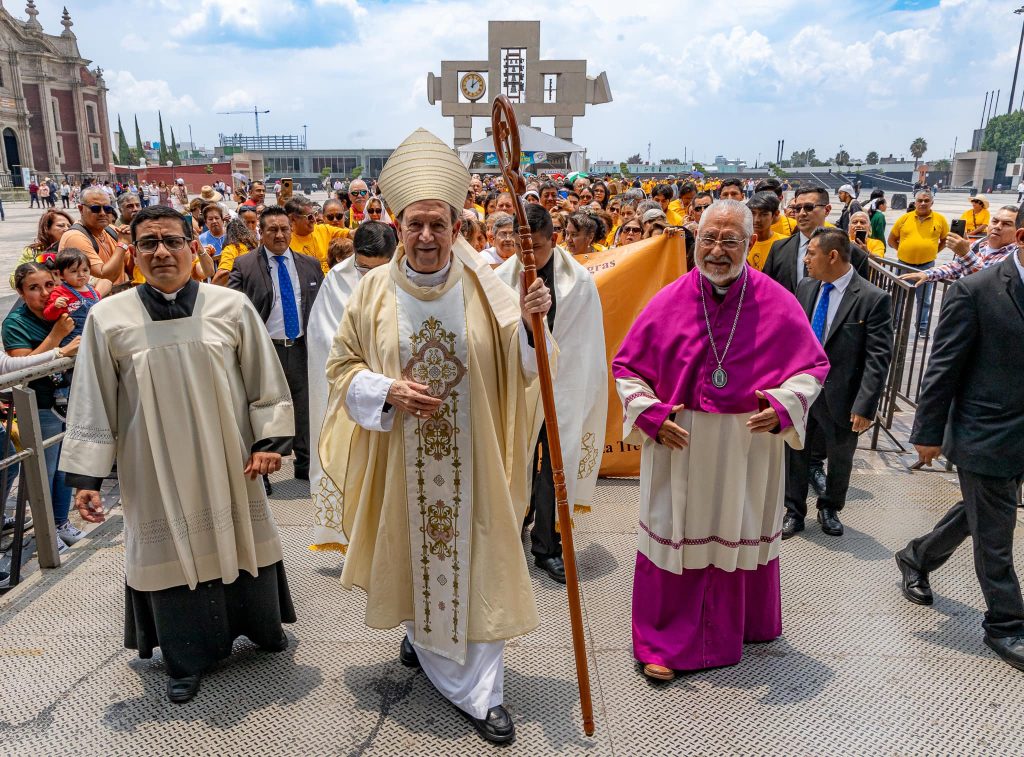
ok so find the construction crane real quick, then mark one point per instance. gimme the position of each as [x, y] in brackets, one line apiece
[254, 112]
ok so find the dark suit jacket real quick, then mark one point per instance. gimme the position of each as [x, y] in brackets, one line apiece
[972, 396]
[858, 345]
[251, 276]
[781, 261]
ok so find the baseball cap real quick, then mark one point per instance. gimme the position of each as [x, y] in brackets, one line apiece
[848, 188]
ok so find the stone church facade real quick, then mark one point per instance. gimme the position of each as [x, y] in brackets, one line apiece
[53, 108]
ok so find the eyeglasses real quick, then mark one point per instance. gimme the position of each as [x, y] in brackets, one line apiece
[976, 202]
[807, 207]
[311, 217]
[729, 245]
[632, 230]
[505, 236]
[556, 229]
[701, 208]
[149, 245]
[97, 209]
[334, 217]
[359, 192]
[362, 270]
[374, 211]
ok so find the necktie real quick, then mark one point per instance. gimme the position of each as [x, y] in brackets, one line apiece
[801, 269]
[821, 313]
[288, 306]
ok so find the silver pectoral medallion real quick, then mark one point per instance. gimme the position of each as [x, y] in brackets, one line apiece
[719, 377]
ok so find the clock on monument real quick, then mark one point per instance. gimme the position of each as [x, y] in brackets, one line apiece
[473, 86]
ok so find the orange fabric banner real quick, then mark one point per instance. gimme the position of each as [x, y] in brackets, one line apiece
[627, 278]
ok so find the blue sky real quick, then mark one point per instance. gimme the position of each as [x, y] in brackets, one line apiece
[709, 77]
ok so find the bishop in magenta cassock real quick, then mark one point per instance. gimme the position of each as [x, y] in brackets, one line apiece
[716, 376]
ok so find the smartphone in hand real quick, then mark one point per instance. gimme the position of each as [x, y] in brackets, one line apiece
[958, 226]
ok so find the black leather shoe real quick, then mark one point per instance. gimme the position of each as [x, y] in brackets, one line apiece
[181, 690]
[302, 474]
[497, 727]
[914, 585]
[818, 481]
[554, 567]
[829, 520]
[278, 646]
[266, 486]
[791, 526]
[1009, 649]
[407, 654]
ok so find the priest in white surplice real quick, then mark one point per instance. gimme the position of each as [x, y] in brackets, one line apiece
[375, 244]
[179, 382]
[581, 389]
[427, 428]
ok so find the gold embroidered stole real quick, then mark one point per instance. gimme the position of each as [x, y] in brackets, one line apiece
[434, 351]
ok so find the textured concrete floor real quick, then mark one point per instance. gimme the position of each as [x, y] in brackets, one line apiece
[858, 669]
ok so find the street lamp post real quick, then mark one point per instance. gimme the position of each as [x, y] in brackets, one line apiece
[1013, 87]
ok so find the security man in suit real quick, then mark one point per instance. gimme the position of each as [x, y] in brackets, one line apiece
[785, 264]
[853, 320]
[971, 409]
[282, 285]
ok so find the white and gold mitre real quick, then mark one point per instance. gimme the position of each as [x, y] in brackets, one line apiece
[423, 168]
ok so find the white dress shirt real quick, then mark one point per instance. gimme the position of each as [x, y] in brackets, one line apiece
[275, 323]
[834, 298]
[800, 253]
[1020, 268]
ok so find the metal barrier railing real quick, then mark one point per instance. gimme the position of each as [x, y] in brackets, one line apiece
[34, 483]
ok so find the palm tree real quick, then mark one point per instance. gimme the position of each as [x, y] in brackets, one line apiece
[918, 148]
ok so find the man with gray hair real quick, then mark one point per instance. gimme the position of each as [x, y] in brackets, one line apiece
[917, 238]
[129, 204]
[739, 383]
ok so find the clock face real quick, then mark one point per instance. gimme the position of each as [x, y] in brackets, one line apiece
[473, 86]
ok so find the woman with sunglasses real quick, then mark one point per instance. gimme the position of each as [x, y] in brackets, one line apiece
[631, 231]
[375, 211]
[559, 220]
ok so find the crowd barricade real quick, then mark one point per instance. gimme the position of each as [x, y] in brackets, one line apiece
[911, 348]
[33, 483]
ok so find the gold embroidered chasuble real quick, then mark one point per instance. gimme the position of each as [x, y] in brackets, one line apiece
[434, 536]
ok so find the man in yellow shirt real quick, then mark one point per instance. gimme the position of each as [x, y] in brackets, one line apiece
[308, 236]
[783, 225]
[764, 207]
[917, 238]
[681, 206]
[859, 221]
[731, 189]
[663, 194]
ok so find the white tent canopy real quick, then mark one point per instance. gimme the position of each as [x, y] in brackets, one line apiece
[541, 152]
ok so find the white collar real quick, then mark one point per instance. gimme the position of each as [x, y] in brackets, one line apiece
[1020, 268]
[172, 296]
[428, 280]
[843, 281]
[287, 253]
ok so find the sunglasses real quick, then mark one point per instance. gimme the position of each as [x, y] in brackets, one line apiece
[359, 192]
[807, 207]
[309, 217]
[976, 202]
[556, 229]
[108, 209]
[149, 245]
[631, 230]
[701, 208]
[333, 217]
[374, 211]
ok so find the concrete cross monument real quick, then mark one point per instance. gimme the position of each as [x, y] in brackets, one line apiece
[537, 88]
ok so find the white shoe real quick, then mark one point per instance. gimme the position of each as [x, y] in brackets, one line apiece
[69, 534]
[62, 547]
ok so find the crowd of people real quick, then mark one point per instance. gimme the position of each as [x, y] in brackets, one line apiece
[394, 312]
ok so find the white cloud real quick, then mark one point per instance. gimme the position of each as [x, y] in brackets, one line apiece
[234, 99]
[352, 6]
[129, 94]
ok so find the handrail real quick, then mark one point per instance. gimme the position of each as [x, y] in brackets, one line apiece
[23, 376]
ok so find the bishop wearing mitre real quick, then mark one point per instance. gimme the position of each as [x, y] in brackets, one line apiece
[427, 427]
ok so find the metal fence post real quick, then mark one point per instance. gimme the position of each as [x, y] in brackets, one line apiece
[35, 477]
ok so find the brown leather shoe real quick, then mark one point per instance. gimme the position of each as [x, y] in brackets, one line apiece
[659, 672]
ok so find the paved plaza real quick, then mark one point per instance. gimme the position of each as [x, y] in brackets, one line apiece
[858, 670]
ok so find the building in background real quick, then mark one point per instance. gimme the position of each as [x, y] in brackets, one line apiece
[53, 108]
